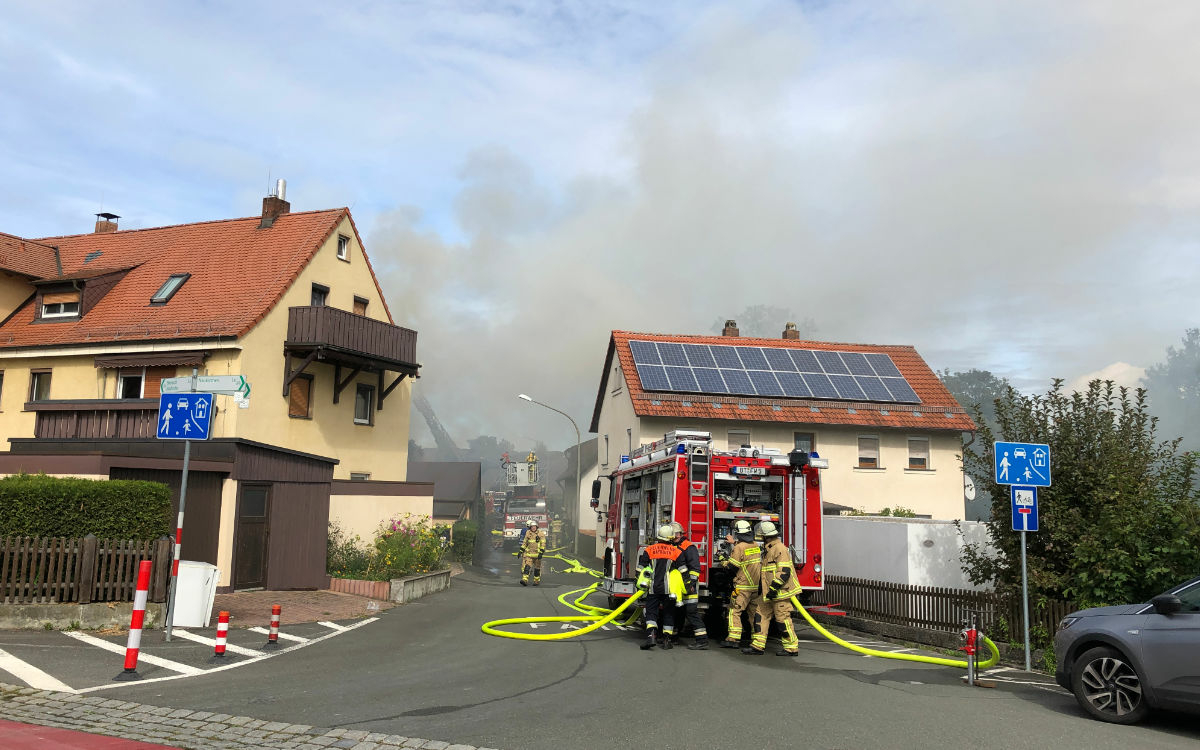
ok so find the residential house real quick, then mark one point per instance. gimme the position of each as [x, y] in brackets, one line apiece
[456, 487]
[93, 323]
[891, 431]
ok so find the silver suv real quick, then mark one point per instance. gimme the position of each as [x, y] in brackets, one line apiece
[1121, 662]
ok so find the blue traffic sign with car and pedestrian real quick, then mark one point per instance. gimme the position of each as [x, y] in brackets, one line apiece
[184, 416]
[1022, 463]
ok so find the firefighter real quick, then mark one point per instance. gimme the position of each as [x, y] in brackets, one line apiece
[745, 558]
[556, 527]
[533, 546]
[779, 584]
[660, 579]
[691, 588]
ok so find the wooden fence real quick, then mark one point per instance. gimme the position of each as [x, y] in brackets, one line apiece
[935, 608]
[37, 570]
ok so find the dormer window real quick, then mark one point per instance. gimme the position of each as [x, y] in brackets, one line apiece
[60, 305]
[168, 289]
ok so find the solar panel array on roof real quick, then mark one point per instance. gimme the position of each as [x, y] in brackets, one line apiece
[770, 372]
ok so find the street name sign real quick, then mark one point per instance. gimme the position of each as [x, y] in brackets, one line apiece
[184, 416]
[1024, 508]
[225, 385]
[1026, 464]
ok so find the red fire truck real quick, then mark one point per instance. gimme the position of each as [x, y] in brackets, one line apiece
[525, 501]
[682, 479]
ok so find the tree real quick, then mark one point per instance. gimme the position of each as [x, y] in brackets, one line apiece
[766, 321]
[976, 391]
[1174, 387]
[1121, 521]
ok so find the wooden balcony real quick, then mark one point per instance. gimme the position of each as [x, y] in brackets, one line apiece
[95, 418]
[354, 339]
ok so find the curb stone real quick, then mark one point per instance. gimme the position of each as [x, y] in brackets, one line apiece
[200, 731]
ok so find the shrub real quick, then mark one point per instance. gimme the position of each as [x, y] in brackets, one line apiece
[38, 505]
[402, 546]
[346, 556]
[465, 533]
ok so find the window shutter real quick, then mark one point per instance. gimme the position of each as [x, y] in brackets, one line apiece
[298, 397]
[57, 297]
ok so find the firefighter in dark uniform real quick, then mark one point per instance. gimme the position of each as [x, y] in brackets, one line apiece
[746, 560]
[691, 588]
[658, 562]
[533, 546]
[779, 584]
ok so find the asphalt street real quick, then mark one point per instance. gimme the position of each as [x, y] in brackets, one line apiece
[425, 669]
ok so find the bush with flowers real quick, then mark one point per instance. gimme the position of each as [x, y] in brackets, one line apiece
[404, 545]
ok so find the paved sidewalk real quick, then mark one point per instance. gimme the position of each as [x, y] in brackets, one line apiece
[248, 609]
[195, 730]
[35, 737]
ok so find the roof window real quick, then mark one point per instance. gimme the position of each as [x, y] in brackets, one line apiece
[168, 289]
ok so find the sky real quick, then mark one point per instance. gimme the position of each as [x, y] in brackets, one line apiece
[1007, 186]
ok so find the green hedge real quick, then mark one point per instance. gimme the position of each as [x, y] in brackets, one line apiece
[38, 505]
[464, 540]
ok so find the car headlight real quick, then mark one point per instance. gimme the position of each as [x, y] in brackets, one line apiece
[1067, 622]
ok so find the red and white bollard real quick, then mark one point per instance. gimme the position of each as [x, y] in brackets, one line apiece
[135, 624]
[222, 635]
[273, 636]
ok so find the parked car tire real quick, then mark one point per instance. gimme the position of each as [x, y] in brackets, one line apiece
[1108, 687]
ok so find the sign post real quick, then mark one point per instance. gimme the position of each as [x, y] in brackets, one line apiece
[186, 417]
[1025, 466]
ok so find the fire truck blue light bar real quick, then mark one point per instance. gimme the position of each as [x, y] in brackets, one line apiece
[770, 372]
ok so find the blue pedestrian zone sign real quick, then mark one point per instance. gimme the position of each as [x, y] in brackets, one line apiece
[1024, 508]
[184, 416]
[1022, 463]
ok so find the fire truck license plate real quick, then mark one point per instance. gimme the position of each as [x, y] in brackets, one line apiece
[752, 471]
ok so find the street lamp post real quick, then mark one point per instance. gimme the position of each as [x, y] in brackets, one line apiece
[572, 513]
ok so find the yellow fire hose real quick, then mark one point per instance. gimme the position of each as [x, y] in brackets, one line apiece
[599, 616]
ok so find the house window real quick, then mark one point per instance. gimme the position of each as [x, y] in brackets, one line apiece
[39, 385]
[918, 453]
[805, 441]
[343, 247]
[59, 308]
[868, 453]
[364, 401]
[606, 450]
[300, 397]
[320, 295]
[168, 289]
[129, 384]
[360, 306]
[737, 438]
[359, 476]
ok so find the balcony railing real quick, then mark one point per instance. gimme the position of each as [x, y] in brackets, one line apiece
[339, 331]
[95, 418]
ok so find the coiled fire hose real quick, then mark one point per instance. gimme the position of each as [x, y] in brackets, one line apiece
[599, 616]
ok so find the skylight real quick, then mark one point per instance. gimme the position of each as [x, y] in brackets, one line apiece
[168, 289]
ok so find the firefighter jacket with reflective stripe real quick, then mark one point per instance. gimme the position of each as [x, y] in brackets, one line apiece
[690, 567]
[746, 558]
[533, 544]
[657, 562]
[778, 571]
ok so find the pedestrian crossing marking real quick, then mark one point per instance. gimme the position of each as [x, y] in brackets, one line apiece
[174, 666]
[284, 636]
[212, 642]
[333, 626]
[31, 675]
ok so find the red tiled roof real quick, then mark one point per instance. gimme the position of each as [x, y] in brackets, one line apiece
[26, 257]
[938, 409]
[238, 273]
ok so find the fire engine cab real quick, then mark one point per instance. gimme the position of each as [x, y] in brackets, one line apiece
[683, 479]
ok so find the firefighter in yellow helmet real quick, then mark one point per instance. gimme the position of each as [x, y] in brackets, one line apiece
[533, 546]
[661, 581]
[691, 588]
[746, 560]
[779, 584]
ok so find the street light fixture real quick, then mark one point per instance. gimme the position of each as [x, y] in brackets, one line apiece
[572, 513]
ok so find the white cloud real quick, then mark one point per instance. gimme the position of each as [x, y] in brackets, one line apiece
[1122, 374]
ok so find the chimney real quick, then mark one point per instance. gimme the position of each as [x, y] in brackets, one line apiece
[790, 332]
[274, 205]
[106, 222]
[731, 328]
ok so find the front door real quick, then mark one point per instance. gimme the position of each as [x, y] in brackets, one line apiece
[250, 564]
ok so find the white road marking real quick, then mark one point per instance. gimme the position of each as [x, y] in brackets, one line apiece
[333, 626]
[235, 665]
[284, 636]
[212, 642]
[174, 666]
[31, 675]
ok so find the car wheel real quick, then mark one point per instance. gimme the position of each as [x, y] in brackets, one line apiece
[1108, 687]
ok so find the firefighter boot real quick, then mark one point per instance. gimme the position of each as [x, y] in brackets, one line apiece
[700, 644]
[751, 651]
[537, 580]
[787, 653]
[649, 642]
[730, 644]
[525, 576]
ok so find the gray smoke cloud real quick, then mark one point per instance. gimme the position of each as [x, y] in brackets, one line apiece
[1006, 187]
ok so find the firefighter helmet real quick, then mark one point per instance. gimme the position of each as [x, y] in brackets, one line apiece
[532, 524]
[742, 531]
[767, 529]
[666, 532]
[678, 527]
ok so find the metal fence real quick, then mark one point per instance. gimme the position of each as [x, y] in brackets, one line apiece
[47, 570]
[935, 608]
